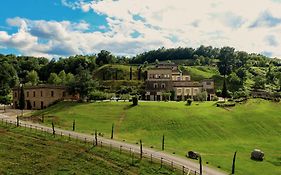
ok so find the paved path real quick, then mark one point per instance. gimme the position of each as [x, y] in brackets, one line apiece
[167, 158]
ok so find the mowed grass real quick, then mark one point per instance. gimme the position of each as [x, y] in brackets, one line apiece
[25, 152]
[214, 132]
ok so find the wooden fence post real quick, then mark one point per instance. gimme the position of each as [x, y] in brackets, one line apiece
[140, 149]
[200, 162]
[73, 125]
[96, 137]
[53, 127]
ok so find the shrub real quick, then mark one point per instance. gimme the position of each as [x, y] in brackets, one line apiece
[189, 101]
[202, 96]
[97, 95]
[135, 100]
[225, 104]
[215, 98]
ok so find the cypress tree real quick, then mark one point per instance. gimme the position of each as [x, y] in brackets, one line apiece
[224, 89]
[21, 100]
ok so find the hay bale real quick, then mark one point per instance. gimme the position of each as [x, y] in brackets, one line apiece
[257, 155]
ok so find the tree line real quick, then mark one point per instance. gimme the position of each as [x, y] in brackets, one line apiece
[76, 71]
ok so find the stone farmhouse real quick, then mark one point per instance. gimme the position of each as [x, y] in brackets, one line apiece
[166, 77]
[41, 96]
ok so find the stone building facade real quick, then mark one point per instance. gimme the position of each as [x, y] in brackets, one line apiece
[167, 77]
[41, 96]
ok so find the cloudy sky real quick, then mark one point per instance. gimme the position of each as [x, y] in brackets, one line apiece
[55, 28]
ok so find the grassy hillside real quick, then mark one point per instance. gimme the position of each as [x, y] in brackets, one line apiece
[23, 152]
[108, 72]
[214, 132]
[201, 72]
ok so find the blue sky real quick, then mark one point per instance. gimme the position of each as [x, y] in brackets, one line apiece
[60, 28]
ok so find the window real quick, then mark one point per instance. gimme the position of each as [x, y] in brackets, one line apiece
[52, 93]
[178, 78]
[34, 104]
[63, 93]
[16, 94]
[156, 76]
[27, 94]
[41, 94]
[33, 93]
[208, 83]
[178, 91]
[187, 91]
[155, 85]
[163, 85]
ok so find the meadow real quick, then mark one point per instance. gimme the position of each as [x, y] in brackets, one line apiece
[29, 152]
[216, 133]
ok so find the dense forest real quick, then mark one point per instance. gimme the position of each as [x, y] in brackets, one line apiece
[240, 70]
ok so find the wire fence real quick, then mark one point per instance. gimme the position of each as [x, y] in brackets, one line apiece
[133, 152]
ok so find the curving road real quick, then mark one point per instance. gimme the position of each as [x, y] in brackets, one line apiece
[176, 161]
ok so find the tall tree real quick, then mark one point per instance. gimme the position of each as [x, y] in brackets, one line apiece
[224, 89]
[105, 57]
[226, 60]
[21, 100]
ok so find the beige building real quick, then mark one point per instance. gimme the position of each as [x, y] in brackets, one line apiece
[167, 78]
[41, 96]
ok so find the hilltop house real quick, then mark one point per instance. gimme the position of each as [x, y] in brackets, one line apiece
[41, 96]
[166, 77]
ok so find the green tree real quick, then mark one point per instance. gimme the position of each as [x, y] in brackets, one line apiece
[105, 57]
[259, 82]
[69, 79]
[54, 79]
[226, 60]
[224, 90]
[62, 76]
[32, 77]
[234, 82]
[84, 84]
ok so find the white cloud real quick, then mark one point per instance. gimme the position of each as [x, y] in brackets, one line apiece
[253, 26]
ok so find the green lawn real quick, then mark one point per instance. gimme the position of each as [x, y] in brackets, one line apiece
[214, 132]
[25, 152]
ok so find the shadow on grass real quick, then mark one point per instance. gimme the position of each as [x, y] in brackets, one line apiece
[129, 107]
[276, 163]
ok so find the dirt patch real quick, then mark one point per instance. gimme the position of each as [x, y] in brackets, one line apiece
[119, 123]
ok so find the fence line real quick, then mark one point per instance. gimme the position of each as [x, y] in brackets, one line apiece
[152, 158]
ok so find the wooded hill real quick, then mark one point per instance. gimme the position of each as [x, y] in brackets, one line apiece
[243, 71]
